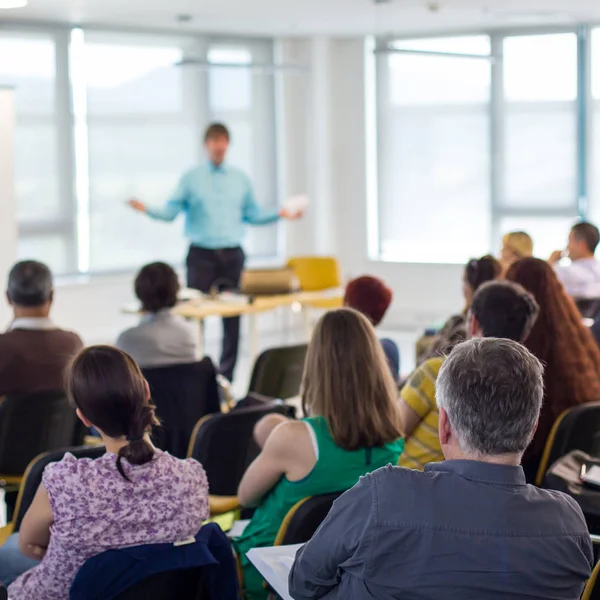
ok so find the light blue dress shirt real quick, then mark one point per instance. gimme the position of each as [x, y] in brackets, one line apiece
[218, 202]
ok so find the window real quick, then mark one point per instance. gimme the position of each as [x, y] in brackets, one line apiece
[540, 89]
[105, 116]
[594, 162]
[44, 208]
[434, 156]
[473, 143]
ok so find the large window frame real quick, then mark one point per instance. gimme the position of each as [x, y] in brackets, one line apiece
[584, 105]
[73, 222]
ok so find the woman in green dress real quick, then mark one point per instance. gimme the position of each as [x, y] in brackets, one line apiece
[352, 429]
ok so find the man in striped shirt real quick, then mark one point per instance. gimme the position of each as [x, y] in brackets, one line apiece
[500, 309]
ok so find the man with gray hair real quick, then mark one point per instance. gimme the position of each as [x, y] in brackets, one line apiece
[469, 527]
[33, 352]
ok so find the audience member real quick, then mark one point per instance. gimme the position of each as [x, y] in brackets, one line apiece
[134, 494]
[477, 272]
[371, 297]
[161, 338]
[563, 344]
[499, 309]
[352, 429]
[469, 527]
[582, 277]
[515, 246]
[34, 351]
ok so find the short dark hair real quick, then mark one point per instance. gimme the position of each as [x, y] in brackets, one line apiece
[480, 270]
[215, 130]
[156, 286]
[30, 284]
[588, 233]
[492, 390]
[504, 309]
[369, 296]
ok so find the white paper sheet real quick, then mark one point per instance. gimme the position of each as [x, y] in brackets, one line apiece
[275, 564]
[297, 204]
[238, 528]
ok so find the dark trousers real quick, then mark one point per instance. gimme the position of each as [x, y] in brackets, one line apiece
[221, 270]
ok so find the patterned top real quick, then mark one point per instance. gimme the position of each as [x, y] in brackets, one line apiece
[95, 509]
[423, 444]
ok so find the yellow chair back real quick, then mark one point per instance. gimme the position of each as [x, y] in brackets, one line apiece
[316, 273]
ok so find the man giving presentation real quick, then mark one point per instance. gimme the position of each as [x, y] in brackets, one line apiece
[218, 201]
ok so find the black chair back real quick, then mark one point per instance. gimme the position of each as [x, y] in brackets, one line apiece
[35, 470]
[576, 429]
[306, 519]
[225, 445]
[278, 372]
[184, 583]
[183, 394]
[588, 307]
[35, 423]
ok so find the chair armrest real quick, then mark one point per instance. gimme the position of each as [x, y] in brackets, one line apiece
[223, 504]
[227, 401]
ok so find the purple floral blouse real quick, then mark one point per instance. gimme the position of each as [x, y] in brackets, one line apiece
[95, 509]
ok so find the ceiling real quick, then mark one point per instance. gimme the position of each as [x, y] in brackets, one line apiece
[302, 17]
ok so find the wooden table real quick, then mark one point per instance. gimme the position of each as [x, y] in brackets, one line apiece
[236, 306]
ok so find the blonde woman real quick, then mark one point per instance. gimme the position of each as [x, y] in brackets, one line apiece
[515, 246]
[353, 429]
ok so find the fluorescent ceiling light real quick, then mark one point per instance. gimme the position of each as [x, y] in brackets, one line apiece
[12, 4]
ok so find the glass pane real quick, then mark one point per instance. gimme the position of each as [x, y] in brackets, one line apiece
[596, 63]
[418, 79]
[141, 140]
[230, 88]
[51, 249]
[477, 44]
[541, 156]
[433, 158]
[540, 86]
[548, 233]
[540, 68]
[29, 64]
[132, 79]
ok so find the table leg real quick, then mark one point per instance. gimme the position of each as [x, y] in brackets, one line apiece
[306, 321]
[200, 339]
[253, 338]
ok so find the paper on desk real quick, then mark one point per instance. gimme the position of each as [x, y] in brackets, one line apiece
[275, 564]
[296, 204]
[238, 529]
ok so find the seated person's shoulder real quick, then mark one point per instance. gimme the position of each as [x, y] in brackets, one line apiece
[286, 439]
[69, 473]
[560, 508]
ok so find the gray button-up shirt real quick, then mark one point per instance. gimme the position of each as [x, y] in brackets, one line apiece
[159, 340]
[461, 530]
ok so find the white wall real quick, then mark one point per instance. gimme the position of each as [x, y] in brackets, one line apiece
[324, 155]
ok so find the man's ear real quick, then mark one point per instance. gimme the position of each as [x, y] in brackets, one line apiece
[8, 299]
[445, 431]
[83, 419]
[51, 297]
[474, 329]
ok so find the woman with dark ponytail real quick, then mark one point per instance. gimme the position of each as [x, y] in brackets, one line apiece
[134, 494]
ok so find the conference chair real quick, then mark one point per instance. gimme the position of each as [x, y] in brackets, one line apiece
[33, 478]
[224, 444]
[3, 592]
[592, 587]
[277, 372]
[588, 307]
[577, 428]
[31, 424]
[183, 394]
[315, 274]
[303, 519]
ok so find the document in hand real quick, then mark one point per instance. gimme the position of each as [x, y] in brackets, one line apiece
[296, 204]
[275, 564]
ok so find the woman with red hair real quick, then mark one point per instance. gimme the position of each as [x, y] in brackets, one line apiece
[563, 344]
[371, 297]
